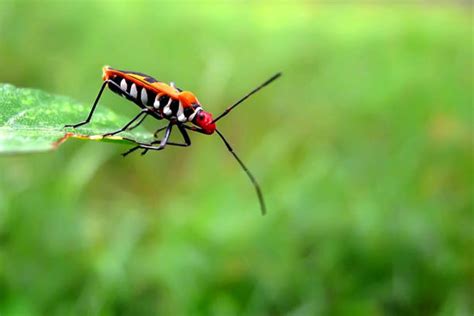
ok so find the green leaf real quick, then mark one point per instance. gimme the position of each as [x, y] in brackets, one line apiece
[32, 120]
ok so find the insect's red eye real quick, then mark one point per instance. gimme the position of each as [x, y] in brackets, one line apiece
[201, 116]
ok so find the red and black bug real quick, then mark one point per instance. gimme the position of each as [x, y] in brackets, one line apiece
[162, 101]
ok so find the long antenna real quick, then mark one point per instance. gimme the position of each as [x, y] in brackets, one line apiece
[255, 183]
[230, 108]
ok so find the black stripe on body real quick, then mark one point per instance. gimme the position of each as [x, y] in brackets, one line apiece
[150, 79]
[151, 97]
[164, 99]
[174, 106]
[115, 87]
[146, 77]
[188, 111]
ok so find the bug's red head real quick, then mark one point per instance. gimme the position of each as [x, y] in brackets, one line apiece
[204, 120]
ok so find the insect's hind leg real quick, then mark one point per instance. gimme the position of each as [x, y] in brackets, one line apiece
[143, 111]
[137, 124]
[87, 120]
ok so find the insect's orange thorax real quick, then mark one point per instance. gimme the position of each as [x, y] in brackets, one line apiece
[188, 99]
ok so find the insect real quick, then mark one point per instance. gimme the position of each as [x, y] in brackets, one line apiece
[162, 101]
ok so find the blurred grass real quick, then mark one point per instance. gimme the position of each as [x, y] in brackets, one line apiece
[363, 149]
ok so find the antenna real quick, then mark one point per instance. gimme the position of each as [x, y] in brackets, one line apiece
[247, 171]
[230, 108]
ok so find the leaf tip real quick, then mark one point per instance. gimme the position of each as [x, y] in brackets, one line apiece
[56, 144]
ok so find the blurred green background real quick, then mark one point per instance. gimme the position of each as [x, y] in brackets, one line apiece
[363, 148]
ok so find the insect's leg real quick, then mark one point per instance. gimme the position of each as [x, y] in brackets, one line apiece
[162, 145]
[143, 111]
[87, 120]
[155, 142]
[195, 129]
[135, 148]
[155, 134]
[159, 130]
[185, 135]
[139, 145]
[187, 140]
[138, 123]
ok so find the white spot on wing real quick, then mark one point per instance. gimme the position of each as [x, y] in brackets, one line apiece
[144, 97]
[133, 91]
[157, 102]
[180, 114]
[123, 85]
[167, 109]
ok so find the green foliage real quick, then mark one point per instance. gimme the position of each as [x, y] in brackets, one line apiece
[363, 149]
[32, 120]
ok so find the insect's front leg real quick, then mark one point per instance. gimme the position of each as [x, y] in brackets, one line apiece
[162, 145]
[159, 130]
[187, 142]
[195, 129]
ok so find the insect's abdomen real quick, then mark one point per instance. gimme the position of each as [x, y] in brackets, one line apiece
[140, 95]
[163, 105]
